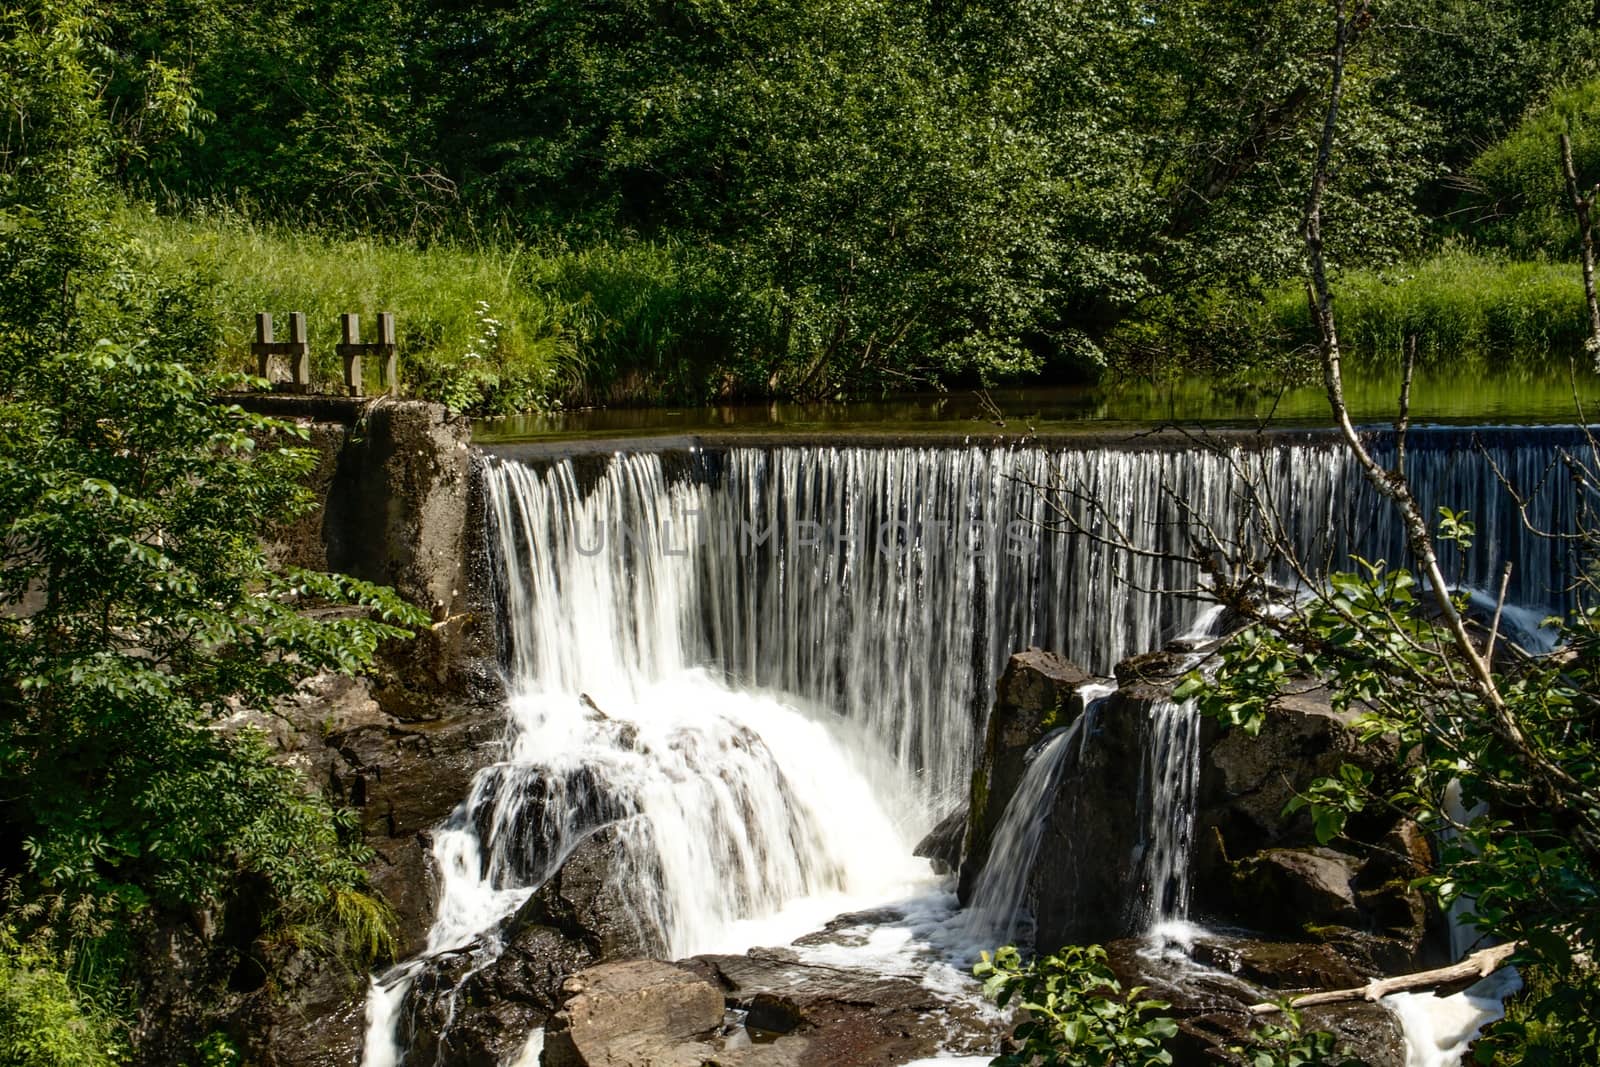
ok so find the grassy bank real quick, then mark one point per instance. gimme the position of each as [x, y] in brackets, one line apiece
[487, 329]
[1462, 308]
[496, 329]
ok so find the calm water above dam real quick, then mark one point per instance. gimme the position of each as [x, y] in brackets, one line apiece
[1460, 399]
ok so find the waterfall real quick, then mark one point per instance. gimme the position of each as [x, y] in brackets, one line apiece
[1169, 785]
[765, 669]
[740, 816]
[890, 584]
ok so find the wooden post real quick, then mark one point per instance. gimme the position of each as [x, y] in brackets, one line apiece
[383, 349]
[390, 352]
[300, 353]
[297, 349]
[262, 349]
[350, 347]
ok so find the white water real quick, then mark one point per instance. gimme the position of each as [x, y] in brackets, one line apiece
[767, 668]
[1439, 1029]
[1169, 785]
[743, 817]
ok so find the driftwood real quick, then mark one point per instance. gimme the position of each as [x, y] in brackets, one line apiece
[1480, 964]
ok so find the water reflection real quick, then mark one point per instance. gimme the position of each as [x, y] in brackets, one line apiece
[1461, 397]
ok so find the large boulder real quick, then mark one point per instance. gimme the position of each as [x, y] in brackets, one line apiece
[1084, 885]
[787, 1010]
[587, 902]
[1258, 864]
[1037, 693]
[1246, 782]
[633, 1013]
[476, 1006]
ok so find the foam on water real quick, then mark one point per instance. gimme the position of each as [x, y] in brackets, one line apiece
[1439, 1029]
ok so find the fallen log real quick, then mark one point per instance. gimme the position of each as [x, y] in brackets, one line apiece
[1480, 964]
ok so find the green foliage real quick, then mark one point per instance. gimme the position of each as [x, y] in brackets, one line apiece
[216, 1050]
[1516, 190]
[43, 1022]
[1477, 66]
[1076, 1014]
[836, 197]
[136, 507]
[144, 618]
[1550, 1025]
[442, 293]
[1289, 1045]
[1527, 860]
[1333, 800]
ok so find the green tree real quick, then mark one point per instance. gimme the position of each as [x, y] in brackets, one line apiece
[1498, 746]
[142, 616]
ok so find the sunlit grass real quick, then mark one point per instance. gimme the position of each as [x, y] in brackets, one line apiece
[1461, 307]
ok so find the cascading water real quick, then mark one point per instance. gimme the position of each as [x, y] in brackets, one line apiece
[739, 817]
[1169, 783]
[1000, 910]
[766, 669]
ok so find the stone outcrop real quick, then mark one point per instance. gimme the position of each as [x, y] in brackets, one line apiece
[1319, 916]
[399, 746]
[636, 1012]
[583, 901]
[475, 1006]
[396, 497]
[941, 846]
[1036, 694]
[1082, 884]
[766, 1008]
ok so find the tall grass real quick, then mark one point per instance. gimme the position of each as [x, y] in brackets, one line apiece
[485, 328]
[1462, 308]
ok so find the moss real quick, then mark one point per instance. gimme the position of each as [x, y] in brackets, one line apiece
[979, 804]
[1052, 717]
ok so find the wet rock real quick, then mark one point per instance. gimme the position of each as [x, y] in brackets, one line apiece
[1246, 782]
[1036, 694]
[1159, 668]
[401, 778]
[477, 1006]
[469, 1013]
[638, 1012]
[1080, 887]
[1282, 888]
[810, 1015]
[1279, 965]
[586, 901]
[1210, 1004]
[942, 845]
[774, 1014]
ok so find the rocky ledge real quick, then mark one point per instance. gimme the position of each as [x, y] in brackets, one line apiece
[1300, 915]
[768, 1007]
